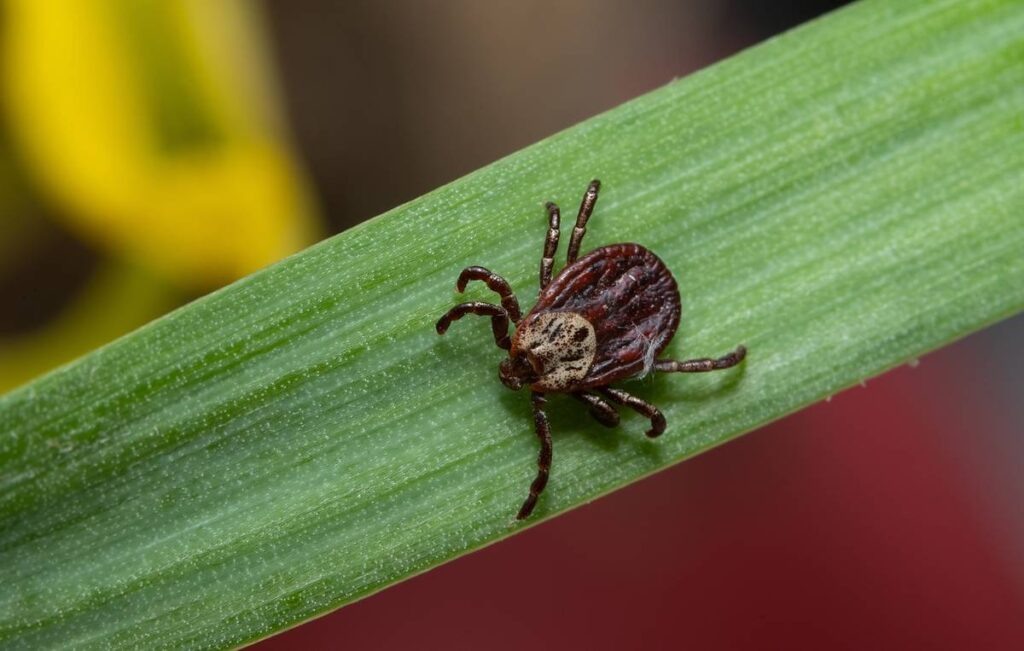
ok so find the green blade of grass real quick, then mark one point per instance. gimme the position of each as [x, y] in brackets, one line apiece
[840, 199]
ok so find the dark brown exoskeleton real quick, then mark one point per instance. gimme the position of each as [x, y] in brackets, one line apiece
[605, 317]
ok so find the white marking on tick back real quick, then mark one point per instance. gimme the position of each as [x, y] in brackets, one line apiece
[561, 346]
[652, 346]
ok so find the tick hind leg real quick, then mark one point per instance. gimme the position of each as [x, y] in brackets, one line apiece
[701, 365]
[580, 229]
[639, 406]
[540, 424]
[602, 412]
[495, 283]
[499, 320]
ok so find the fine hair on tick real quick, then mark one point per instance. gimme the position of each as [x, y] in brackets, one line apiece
[603, 318]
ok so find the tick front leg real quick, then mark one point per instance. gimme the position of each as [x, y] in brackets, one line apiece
[495, 283]
[640, 406]
[580, 229]
[550, 245]
[499, 320]
[540, 424]
[701, 365]
[599, 408]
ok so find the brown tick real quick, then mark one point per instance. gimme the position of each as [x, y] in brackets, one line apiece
[606, 317]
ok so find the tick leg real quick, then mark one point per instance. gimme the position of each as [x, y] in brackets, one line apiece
[540, 424]
[701, 365]
[599, 408]
[499, 320]
[580, 229]
[496, 284]
[640, 406]
[550, 245]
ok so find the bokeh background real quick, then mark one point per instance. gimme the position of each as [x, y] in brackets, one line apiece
[153, 151]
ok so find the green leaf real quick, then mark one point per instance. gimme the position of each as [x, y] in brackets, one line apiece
[841, 199]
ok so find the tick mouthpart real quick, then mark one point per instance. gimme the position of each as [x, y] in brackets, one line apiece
[515, 372]
[511, 382]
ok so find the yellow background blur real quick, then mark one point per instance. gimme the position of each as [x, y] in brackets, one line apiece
[149, 134]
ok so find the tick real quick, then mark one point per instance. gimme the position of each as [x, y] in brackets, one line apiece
[604, 318]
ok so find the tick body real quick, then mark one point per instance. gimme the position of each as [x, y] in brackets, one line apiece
[605, 317]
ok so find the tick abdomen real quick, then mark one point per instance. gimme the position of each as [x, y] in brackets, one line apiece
[629, 297]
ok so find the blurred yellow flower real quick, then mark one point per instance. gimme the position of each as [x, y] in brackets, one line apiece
[152, 128]
[154, 125]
